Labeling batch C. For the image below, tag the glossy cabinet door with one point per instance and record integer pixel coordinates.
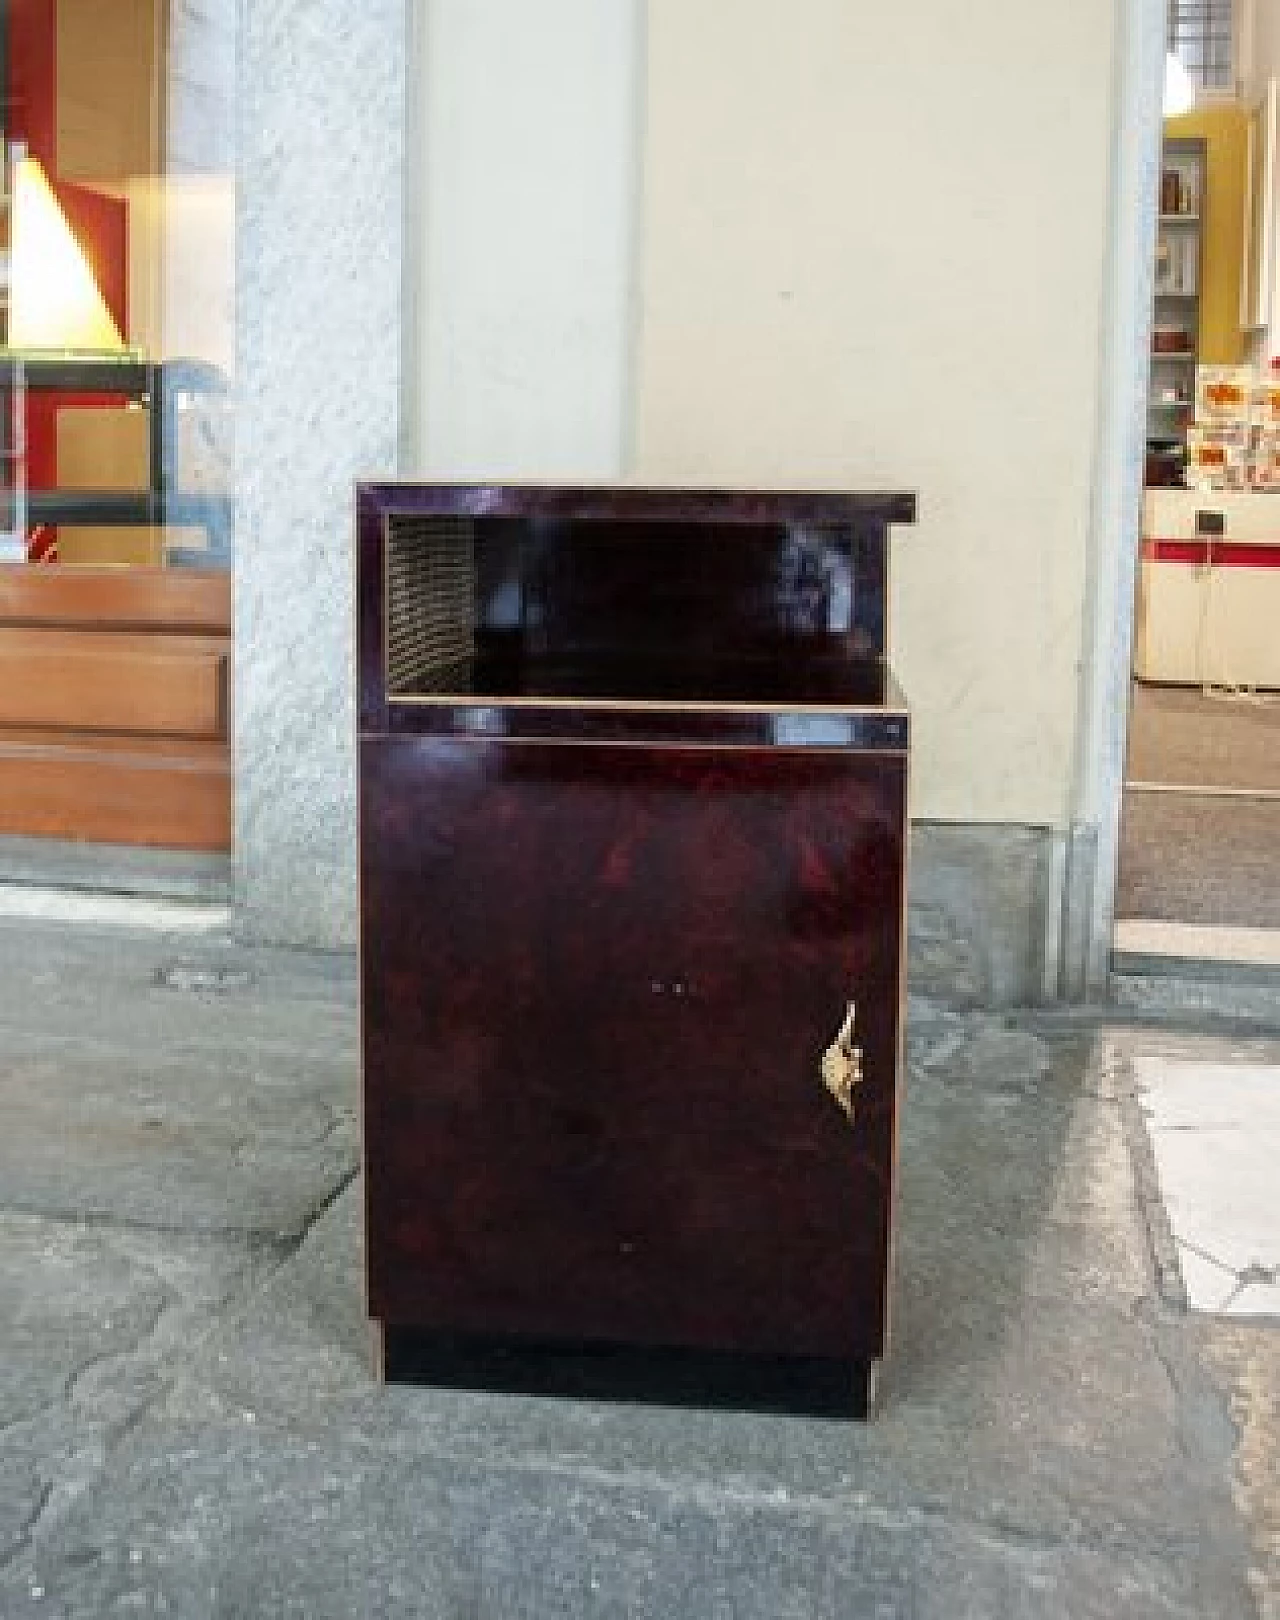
(598, 984)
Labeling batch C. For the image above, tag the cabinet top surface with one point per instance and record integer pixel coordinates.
(620, 501)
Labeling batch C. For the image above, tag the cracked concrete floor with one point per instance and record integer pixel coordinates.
(188, 1426)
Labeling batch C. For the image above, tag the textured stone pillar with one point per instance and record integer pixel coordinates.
(318, 353)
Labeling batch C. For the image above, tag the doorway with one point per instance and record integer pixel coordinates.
(1197, 871)
(116, 242)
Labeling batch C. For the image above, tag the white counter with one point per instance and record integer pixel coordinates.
(1208, 610)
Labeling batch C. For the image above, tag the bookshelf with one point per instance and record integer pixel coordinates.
(1175, 325)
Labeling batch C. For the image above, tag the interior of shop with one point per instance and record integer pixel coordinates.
(1199, 874)
(116, 347)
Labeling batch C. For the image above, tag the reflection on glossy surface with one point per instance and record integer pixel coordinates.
(727, 725)
(54, 300)
(593, 583)
(674, 676)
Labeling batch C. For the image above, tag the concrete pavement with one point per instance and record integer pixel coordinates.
(189, 1427)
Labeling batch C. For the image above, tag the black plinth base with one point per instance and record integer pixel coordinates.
(815, 1386)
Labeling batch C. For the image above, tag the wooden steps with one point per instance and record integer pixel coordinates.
(114, 706)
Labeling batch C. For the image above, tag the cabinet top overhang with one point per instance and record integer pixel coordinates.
(623, 501)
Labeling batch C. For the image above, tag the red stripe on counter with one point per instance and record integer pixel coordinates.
(1221, 553)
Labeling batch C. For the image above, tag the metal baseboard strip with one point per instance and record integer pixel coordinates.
(1179, 971)
(1201, 970)
(166, 874)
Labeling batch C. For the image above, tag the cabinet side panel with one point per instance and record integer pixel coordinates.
(370, 564)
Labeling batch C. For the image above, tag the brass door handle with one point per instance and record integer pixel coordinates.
(842, 1064)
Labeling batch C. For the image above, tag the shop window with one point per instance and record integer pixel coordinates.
(117, 281)
(116, 355)
(1202, 37)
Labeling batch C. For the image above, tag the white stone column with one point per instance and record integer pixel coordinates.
(318, 354)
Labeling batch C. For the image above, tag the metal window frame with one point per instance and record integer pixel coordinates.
(1203, 36)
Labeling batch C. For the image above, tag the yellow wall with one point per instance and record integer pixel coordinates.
(1225, 132)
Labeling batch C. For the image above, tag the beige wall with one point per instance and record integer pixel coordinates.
(817, 243)
(523, 173)
(872, 249)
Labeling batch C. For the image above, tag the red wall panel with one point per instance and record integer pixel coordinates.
(33, 77)
(100, 223)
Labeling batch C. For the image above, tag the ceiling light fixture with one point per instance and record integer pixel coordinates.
(1179, 88)
(54, 301)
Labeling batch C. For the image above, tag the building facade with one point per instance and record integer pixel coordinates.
(673, 243)
(685, 243)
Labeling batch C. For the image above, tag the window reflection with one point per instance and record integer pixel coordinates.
(117, 292)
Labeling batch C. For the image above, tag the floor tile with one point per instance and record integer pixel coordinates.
(1154, 937)
(1209, 1284)
(1255, 1299)
(1215, 1133)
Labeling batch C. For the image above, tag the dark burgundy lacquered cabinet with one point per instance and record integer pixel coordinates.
(633, 778)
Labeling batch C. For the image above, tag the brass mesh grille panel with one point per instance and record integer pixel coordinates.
(431, 587)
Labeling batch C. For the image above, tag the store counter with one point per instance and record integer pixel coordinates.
(1209, 589)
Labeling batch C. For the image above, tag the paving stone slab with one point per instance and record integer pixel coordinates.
(242, 1521)
(96, 1323)
(226, 1109)
(112, 985)
(1247, 1357)
(189, 1424)
(1026, 1388)
(135, 1135)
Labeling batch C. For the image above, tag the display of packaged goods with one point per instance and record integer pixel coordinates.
(1233, 440)
(1224, 396)
(1171, 340)
(1164, 265)
(1175, 264)
(1266, 405)
(1218, 459)
(1169, 192)
(1178, 193)
(1264, 461)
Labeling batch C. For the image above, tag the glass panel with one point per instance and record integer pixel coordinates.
(117, 292)
(1201, 36)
